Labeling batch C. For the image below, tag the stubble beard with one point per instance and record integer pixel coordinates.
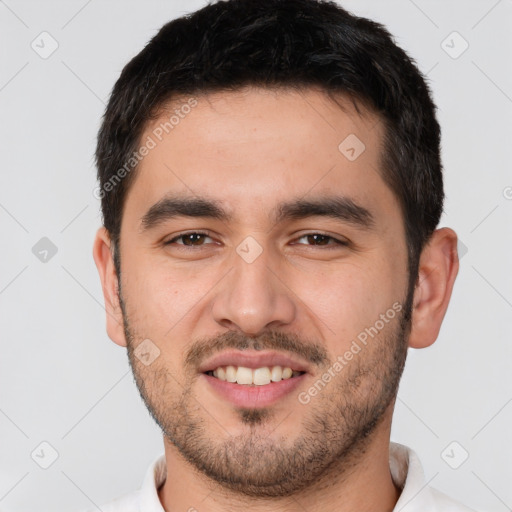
(336, 426)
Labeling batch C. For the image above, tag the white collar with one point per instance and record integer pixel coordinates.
(406, 472)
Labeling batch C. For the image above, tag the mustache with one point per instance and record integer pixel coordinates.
(272, 340)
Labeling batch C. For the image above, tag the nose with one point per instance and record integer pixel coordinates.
(253, 297)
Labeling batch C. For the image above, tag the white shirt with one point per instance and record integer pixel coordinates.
(406, 471)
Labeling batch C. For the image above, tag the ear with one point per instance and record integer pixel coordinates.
(438, 268)
(102, 255)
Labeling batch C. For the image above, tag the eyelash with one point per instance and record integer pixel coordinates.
(337, 244)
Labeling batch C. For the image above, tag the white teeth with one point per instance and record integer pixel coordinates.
(261, 376)
(277, 373)
(230, 374)
(244, 375)
(257, 377)
(287, 373)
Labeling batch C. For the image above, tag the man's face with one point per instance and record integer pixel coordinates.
(261, 284)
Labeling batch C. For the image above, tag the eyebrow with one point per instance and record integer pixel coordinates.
(336, 207)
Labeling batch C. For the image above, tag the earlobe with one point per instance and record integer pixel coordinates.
(438, 268)
(102, 255)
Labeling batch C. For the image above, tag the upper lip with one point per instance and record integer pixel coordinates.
(253, 359)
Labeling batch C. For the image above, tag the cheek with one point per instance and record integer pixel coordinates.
(160, 296)
(350, 298)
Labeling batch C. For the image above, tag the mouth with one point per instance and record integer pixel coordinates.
(254, 377)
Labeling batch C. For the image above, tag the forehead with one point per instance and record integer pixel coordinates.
(253, 148)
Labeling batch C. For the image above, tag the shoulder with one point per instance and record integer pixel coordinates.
(146, 498)
(407, 473)
(446, 504)
(126, 503)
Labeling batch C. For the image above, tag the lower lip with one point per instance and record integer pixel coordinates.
(254, 396)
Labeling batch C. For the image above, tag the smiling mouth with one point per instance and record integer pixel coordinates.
(253, 376)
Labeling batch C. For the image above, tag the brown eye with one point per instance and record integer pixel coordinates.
(319, 239)
(192, 239)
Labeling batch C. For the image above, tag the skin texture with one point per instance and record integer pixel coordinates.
(252, 149)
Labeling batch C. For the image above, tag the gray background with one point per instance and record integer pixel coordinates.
(63, 382)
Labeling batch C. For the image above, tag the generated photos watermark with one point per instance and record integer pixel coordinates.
(356, 346)
(144, 149)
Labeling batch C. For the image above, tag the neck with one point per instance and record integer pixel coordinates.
(365, 485)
